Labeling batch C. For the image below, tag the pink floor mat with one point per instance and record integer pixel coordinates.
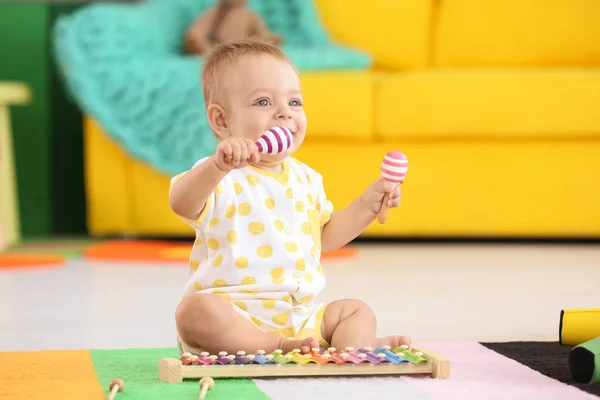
(478, 373)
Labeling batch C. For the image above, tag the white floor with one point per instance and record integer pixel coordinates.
(431, 292)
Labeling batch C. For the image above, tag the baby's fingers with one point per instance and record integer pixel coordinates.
(236, 152)
(226, 150)
(394, 198)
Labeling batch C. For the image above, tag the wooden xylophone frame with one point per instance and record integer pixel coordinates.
(172, 370)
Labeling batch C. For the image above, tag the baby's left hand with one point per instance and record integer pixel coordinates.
(373, 196)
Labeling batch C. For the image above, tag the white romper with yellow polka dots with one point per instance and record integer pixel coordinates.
(258, 243)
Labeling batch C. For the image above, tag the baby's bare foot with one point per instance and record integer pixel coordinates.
(304, 345)
(394, 341)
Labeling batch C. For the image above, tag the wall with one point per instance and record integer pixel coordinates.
(47, 133)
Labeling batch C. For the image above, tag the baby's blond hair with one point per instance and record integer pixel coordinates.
(225, 54)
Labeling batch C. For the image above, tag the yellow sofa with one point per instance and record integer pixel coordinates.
(496, 103)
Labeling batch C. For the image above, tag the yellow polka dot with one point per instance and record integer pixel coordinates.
(248, 281)
(289, 193)
(277, 273)
(320, 269)
(288, 332)
(281, 319)
(277, 276)
(309, 179)
(220, 283)
(221, 293)
(250, 292)
(194, 265)
(270, 203)
(241, 305)
(241, 262)
(299, 206)
(253, 180)
(278, 225)
(306, 228)
(256, 228)
(213, 244)
(197, 242)
(300, 179)
(197, 286)
(217, 260)
(300, 264)
(313, 252)
(256, 321)
(306, 299)
(219, 189)
(268, 304)
(238, 188)
(287, 298)
(214, 222)
(232, 236)
(291, 247)
(310, 198)
(230, 211)
(264, 251)
(244, 209)
(308, 277)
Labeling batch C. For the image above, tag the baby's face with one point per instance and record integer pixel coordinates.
(262, 92)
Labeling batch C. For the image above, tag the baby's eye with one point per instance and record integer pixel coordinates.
(263, 102)
(295, 103)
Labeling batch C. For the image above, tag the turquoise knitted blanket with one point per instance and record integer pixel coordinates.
(124, 65)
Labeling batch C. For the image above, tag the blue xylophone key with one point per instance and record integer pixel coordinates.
(389, 355)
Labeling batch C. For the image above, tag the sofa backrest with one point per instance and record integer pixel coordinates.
(396, 33)
(517, 33)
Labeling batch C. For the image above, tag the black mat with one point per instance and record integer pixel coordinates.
(547, 358)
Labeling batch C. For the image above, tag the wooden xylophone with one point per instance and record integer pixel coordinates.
(318, 362)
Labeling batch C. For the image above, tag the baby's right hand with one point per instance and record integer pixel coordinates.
(235, 153)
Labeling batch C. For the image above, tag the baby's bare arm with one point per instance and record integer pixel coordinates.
(191, 192)
(345, 225)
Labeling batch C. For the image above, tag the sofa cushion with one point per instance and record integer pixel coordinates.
(518, 33)
(339, 104)
(396, 33)
(472, 102)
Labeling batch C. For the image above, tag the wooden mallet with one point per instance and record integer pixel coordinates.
(393, 169)
(116, 385)
(205, 384)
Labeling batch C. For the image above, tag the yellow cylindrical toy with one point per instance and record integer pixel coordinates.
(578, 325)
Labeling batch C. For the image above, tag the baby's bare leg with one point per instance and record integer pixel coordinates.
(352, 323)
(209, 323)
(349, 323)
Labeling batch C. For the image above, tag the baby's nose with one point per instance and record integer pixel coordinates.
(284, 114)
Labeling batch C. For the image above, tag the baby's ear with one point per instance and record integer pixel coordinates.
(218, 120)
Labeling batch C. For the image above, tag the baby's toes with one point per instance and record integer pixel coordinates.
(308, 344)
(401, 341)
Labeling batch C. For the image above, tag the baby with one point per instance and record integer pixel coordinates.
(262, 221)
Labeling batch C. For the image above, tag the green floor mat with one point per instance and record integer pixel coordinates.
(138, 368)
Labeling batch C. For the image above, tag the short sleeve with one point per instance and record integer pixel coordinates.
(324, 205)
(200, 223)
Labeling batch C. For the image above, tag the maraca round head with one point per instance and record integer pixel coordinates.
(275, 140)
(394, 167)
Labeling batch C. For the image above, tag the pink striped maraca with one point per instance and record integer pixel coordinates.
(275, 140)
(393, 169)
